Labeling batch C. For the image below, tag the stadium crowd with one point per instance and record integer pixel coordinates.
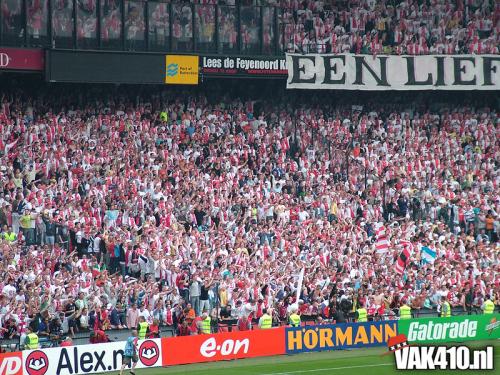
(177, 206)
(360, 26)
(399, 27)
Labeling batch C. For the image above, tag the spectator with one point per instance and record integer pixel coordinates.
(132, 316)
(184, 329)
(260, 190)
(70, 314)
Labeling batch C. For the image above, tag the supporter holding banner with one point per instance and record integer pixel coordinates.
(379, 72)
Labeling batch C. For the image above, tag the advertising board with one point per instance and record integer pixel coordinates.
(11, 363)
(181, 69)
(452, 329)
(88, 359)
(223, 346)
(339, 336)
(21, 59)
(98, 358)
(232, 66)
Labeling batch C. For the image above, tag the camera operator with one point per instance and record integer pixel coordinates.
(342, 308)
(55, 330)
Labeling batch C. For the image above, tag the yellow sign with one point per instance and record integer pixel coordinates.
(181, 69)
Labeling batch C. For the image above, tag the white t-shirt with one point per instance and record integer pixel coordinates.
(303, 215)
(9, 291)
(147, 315)
(248, 309)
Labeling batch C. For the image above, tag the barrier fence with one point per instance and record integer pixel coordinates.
(231, 325)
(169, 351)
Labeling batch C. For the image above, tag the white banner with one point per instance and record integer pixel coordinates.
(88, 359)
(390, 72)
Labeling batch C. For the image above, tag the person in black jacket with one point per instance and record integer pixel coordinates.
(50, 231)
(469, 301)
(339, 316)
(55, 330)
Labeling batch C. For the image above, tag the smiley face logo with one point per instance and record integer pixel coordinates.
(37, 363)
(149, 353)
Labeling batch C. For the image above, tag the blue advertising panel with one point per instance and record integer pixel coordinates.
(339, 336)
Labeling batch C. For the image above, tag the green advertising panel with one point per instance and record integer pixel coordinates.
(452, 329)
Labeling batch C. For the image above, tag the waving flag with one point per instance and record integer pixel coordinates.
(407, 245)
(382, 244)
(428, 255)
(402, 261)
(299, 285)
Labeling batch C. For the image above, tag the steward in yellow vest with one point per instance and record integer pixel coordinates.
(445, 308)
(265, 321)
(9, 236)
(362, 314)
(142, 328)
(31, 340)
(405, 312)
(206, 324)
(294, 319)
(488, 306)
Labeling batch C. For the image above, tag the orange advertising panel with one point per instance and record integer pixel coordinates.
(222, 346)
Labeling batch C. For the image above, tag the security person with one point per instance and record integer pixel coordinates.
(362, 314)
(404, 311)
(445, 308)
(205, 323)
(488, 306)
(142, 328)
(265, 321)
(294, 318)
(9, 236)
(31, 340)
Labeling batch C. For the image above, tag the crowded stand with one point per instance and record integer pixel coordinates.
(361, 26)
(181, 208)
(393, 27)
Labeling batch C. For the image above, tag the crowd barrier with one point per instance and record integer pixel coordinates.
(170, 351)
(230, 325)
